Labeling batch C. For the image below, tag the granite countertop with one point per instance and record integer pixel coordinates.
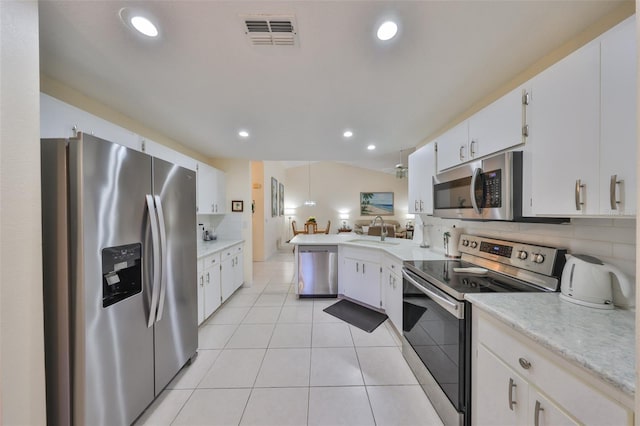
(401, 248)
(601, 341)
(206, 248)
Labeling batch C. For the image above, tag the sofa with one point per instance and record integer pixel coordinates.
(362, 227)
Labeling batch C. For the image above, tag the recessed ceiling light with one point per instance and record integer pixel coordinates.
(347, 133)
(371, 147)
(387, 30)
(144, 26)
(243, 134)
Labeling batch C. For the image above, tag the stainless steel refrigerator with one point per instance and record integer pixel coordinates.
(120, 296)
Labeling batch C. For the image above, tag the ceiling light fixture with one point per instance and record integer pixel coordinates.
(347, 133)
(371, 147)
(401, 170)
(243, 134)
(309, 202)
(144, 26)
(387, 30)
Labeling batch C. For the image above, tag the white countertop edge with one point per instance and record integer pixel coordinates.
(403, 250)
(615, 369)
(206, 248)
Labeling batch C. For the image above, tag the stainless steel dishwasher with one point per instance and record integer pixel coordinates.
(317, 271)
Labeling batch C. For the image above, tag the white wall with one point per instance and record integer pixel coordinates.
(21, 329)
(274, 227)
(336, 188)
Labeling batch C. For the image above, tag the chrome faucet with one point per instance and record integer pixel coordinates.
(383, 231)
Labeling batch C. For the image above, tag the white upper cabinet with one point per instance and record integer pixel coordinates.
(564, 132)
(164, 153)
(498, 126)
(582, 130)
(619, 119)
(211, 190)
(61, 120)
(422, 167)
(453, 147)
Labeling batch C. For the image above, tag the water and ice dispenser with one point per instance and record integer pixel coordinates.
(121, 273)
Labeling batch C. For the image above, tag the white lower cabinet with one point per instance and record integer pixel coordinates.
(219, 275)
(517, 382)
(232, 275)
(392, 291)
(360, 275)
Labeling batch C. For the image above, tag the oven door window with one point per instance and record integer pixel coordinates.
(439, 340)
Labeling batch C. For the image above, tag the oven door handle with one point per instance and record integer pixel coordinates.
(454, 308)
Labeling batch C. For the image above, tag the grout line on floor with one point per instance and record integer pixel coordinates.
(364, 383)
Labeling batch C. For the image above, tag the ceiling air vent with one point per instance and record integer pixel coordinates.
(270, 30)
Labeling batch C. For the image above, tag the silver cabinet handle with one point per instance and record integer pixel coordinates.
(460, 153)
(579, 187)
(536, 415)
(363, 268)
(208, 278)
(357, 267)
(612, 192)
(421, 206)
(524, 363)
(472, 152)
(511, 387)
(201, 281)
(415, 204)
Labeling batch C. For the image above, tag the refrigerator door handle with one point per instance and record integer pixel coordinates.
(153, 221)
(163, 259)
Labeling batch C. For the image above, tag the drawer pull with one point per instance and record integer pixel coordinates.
(511, 401)
(536, 415)
(524, 363)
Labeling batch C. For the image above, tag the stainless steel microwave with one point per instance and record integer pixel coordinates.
(488, 189)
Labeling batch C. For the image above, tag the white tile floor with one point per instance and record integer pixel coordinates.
(267, 358)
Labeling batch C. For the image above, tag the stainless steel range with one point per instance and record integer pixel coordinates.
(437, 319)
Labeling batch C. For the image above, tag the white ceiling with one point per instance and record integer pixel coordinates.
(201, 80)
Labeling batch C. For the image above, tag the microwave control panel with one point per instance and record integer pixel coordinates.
(492, 188)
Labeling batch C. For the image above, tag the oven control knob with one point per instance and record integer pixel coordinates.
(474, 244)
(538, 258)
(465, 243)
(522, 255)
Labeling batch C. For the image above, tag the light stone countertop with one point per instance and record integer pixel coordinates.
(399, 247)
(601, 341)
(206, 248)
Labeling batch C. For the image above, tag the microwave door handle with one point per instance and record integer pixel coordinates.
(472, 189)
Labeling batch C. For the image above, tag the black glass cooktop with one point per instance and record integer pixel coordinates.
(441, 274)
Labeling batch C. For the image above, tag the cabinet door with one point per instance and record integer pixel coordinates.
(351, 275)
(497, 127)
(227, 286)
(238, 272)
(206, 188)
(500, 396)
(543, 412)
(370, 284)
(201, 316)
(220, 198)
(211, 289)
(422, 167)
(392, 300)
(619, 113)
(453, 147)
(564, 133)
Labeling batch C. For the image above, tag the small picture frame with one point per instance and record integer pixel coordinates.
(237, 206)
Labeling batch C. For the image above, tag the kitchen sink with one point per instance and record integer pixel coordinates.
(376, 242)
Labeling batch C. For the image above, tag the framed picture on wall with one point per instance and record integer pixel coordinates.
(376, 203)
(274, 197)
(237, 205)
(281, 200)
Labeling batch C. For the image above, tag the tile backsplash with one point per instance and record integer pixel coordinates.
(611, 240)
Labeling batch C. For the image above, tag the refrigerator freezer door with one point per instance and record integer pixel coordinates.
(113, 347)
(176, 330)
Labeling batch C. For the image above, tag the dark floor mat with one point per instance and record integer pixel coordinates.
(364, 318)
